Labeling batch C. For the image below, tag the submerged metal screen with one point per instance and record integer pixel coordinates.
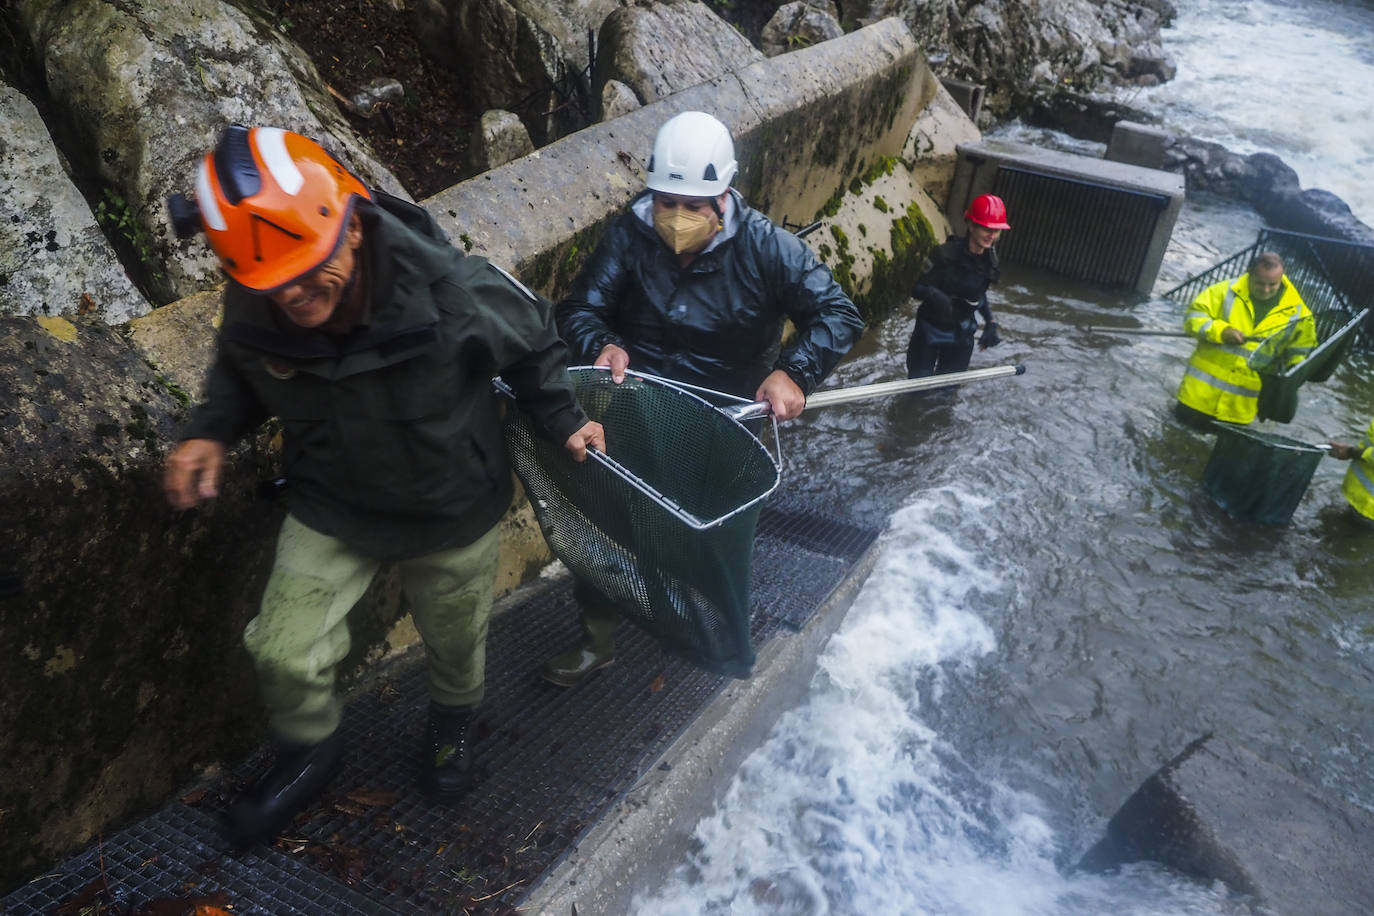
(1082, 229)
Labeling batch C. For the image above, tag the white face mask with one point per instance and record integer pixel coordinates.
(683, 230)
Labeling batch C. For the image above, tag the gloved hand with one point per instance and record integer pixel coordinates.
(938, 309)
(990, 336)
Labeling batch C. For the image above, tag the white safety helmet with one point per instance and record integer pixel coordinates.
(693, 156)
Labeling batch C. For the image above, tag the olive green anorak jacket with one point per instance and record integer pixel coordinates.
(392, 432)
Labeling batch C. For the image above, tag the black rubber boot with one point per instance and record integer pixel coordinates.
(297, 775)
(446, 755)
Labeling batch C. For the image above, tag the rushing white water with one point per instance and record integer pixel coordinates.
(860, 802)
(856, 805)
(1290, 77)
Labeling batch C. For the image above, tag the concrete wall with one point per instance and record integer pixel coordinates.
(121, 668)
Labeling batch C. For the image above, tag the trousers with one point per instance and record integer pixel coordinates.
(301, 634)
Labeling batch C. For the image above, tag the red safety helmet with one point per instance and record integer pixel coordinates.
(273, 204)
(987, 210)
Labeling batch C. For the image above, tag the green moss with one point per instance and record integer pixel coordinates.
(884, 166)
(465, 239)
(881, 205)
(831, 206)
(176, 391)
(863, 230)
(893, 275)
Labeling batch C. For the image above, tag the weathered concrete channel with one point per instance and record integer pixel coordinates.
(123, 680)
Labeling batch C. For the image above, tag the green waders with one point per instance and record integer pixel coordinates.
(301, 631)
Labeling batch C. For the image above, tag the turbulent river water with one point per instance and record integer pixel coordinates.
(1058, 608)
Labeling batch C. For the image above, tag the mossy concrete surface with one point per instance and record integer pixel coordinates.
(805, 124)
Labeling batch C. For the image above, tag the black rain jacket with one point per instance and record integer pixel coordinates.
(717, 323)
(392, 433)
(964, 279)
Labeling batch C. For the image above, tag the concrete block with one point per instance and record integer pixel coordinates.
(969, 96)
(1053, 228)
(805, 124)
(1219, 813)
(1137, 144)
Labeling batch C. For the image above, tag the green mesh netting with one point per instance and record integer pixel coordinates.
(665, 528)
(1278, 398)
(1259, 477)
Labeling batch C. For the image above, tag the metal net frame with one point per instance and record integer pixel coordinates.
(662, 524)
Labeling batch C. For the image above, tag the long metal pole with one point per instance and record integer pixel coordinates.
(878, 390)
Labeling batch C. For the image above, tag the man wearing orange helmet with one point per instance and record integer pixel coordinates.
(350, 318)
(953, 286)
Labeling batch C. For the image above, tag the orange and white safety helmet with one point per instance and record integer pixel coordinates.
(273, 204)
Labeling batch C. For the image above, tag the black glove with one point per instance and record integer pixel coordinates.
(938, 309)
(990, 336)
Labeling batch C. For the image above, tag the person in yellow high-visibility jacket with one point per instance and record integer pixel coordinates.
(1231, 320)
(1358, 486)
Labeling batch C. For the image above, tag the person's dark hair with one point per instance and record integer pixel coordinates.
(1265, 260)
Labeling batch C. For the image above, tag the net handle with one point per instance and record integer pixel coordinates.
(881, 389)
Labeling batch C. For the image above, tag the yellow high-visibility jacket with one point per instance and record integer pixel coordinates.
(1358, 486)
(1218, 382)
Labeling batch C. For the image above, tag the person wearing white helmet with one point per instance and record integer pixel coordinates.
(692, 284)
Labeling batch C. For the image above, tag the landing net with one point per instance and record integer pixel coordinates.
(662, 524)
(1259, 477)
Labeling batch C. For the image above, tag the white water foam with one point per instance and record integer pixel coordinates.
(855, 805)
(1290, 78)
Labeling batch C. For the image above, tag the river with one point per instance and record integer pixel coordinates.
(1058, 608)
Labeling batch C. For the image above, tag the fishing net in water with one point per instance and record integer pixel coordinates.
(1259, 477)
(1279, 382)
(663, 524)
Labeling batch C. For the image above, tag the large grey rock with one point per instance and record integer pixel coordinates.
(53, 256)
(498, 139)
(663, 48)
(798, 25)
(1219, 813)
(1024, 49)
(528, 56)
(149, 84)
(617, 99)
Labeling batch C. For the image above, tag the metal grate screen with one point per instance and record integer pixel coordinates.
(1089, 231)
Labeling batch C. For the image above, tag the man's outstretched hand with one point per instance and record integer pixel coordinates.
(784, 398)
(192, 472)
(591, 435)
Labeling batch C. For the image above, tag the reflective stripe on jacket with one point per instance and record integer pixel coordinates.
(1358, 486)
(1218, 381)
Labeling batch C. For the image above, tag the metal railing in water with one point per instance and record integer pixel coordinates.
(1335, 277)
(1096, 232)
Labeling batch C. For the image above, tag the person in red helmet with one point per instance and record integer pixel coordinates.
(953, 286)
(350, 318)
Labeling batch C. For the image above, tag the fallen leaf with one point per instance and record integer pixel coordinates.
(372, 798)
(657, 684)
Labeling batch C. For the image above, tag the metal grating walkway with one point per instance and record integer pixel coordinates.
(548, 763)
